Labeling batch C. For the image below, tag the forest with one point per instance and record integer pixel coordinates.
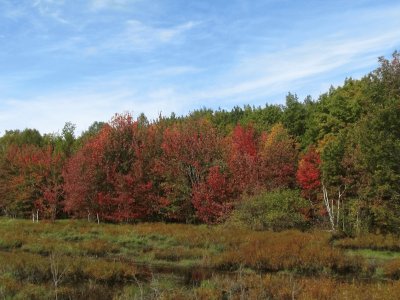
(333, 162)
(294, 201)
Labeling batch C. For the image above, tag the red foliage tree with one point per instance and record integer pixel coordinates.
(129, 159)
(117, 165)
(84, 177)
(35, 180)
(189, 149)
(212, 198)
(242, 160)
(50, 202)
(308, 173)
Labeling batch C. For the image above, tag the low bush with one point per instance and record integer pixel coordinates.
(277, 210)
(391, 269)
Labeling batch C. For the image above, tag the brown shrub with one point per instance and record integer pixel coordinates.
(392, 269)
(291, 250)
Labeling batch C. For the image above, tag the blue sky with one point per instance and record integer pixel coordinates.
(83, 61)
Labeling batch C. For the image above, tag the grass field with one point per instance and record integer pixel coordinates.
(80, 260)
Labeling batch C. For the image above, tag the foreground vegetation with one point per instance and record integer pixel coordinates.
(303, 200)
(83, 260)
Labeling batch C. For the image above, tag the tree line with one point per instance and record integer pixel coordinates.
(341, 150)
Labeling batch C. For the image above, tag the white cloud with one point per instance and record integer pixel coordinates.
(48, 113)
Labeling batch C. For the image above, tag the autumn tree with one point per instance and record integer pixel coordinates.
(308, 174)
(212, 198)
(278, 158)
(52, 194)
(117, 165)
(85, 179)
(190, 149)
(243, 159)
(32, 180)
(129, 156)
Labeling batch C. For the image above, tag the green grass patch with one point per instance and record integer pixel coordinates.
(374, 254)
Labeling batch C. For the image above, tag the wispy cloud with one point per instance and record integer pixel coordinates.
(51, 9)
(257, 75)
(176, 71)
(138, 36)
(134, 36)
(107, 4)
(268, 74)
(299, 63)
(73, 44)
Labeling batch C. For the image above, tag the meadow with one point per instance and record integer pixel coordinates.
(70, 259)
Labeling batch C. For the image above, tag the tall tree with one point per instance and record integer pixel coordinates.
(294, 116)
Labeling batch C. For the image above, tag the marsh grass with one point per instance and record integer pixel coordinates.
(387, 242)
(119, 261)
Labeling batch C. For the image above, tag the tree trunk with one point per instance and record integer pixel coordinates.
(329, 207)
(338, 214)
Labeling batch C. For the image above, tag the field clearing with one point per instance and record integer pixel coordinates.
(82, 260)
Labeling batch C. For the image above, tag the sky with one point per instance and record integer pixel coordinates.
(83, 61)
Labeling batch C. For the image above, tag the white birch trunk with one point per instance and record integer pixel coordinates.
(329, 207)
